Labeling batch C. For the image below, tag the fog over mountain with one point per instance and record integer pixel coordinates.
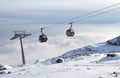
(57, 44)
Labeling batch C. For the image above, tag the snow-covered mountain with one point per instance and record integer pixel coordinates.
(100, 60)
(109, 46)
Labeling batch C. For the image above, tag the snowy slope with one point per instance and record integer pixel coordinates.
(88, 67)
(110, 46)
(87, 62)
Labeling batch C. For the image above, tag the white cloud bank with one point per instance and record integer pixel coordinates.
(10, 51)
(57, 44)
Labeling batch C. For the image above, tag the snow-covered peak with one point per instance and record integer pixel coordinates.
(110, 46)
(114, 41)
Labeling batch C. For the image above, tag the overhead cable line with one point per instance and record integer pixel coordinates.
(81, 16)
(70, 32)
(88, 17)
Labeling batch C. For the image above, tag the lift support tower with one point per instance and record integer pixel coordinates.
(21, 35)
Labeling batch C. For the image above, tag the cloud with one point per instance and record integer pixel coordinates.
(57, 44)
(6, 21)
(53, 4)
(10, 51)
(42, 11)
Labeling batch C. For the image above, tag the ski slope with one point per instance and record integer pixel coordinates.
(86, 67)
(91, 61)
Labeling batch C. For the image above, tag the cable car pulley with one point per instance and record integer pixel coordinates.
(70, 32)
(42, 37)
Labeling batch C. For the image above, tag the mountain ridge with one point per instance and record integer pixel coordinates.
(109, 46)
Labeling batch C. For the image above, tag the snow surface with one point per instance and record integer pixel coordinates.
(87, 67)
(87, 62)
(2, 66)
(104, 47)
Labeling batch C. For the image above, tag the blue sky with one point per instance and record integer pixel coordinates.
(53, 11)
